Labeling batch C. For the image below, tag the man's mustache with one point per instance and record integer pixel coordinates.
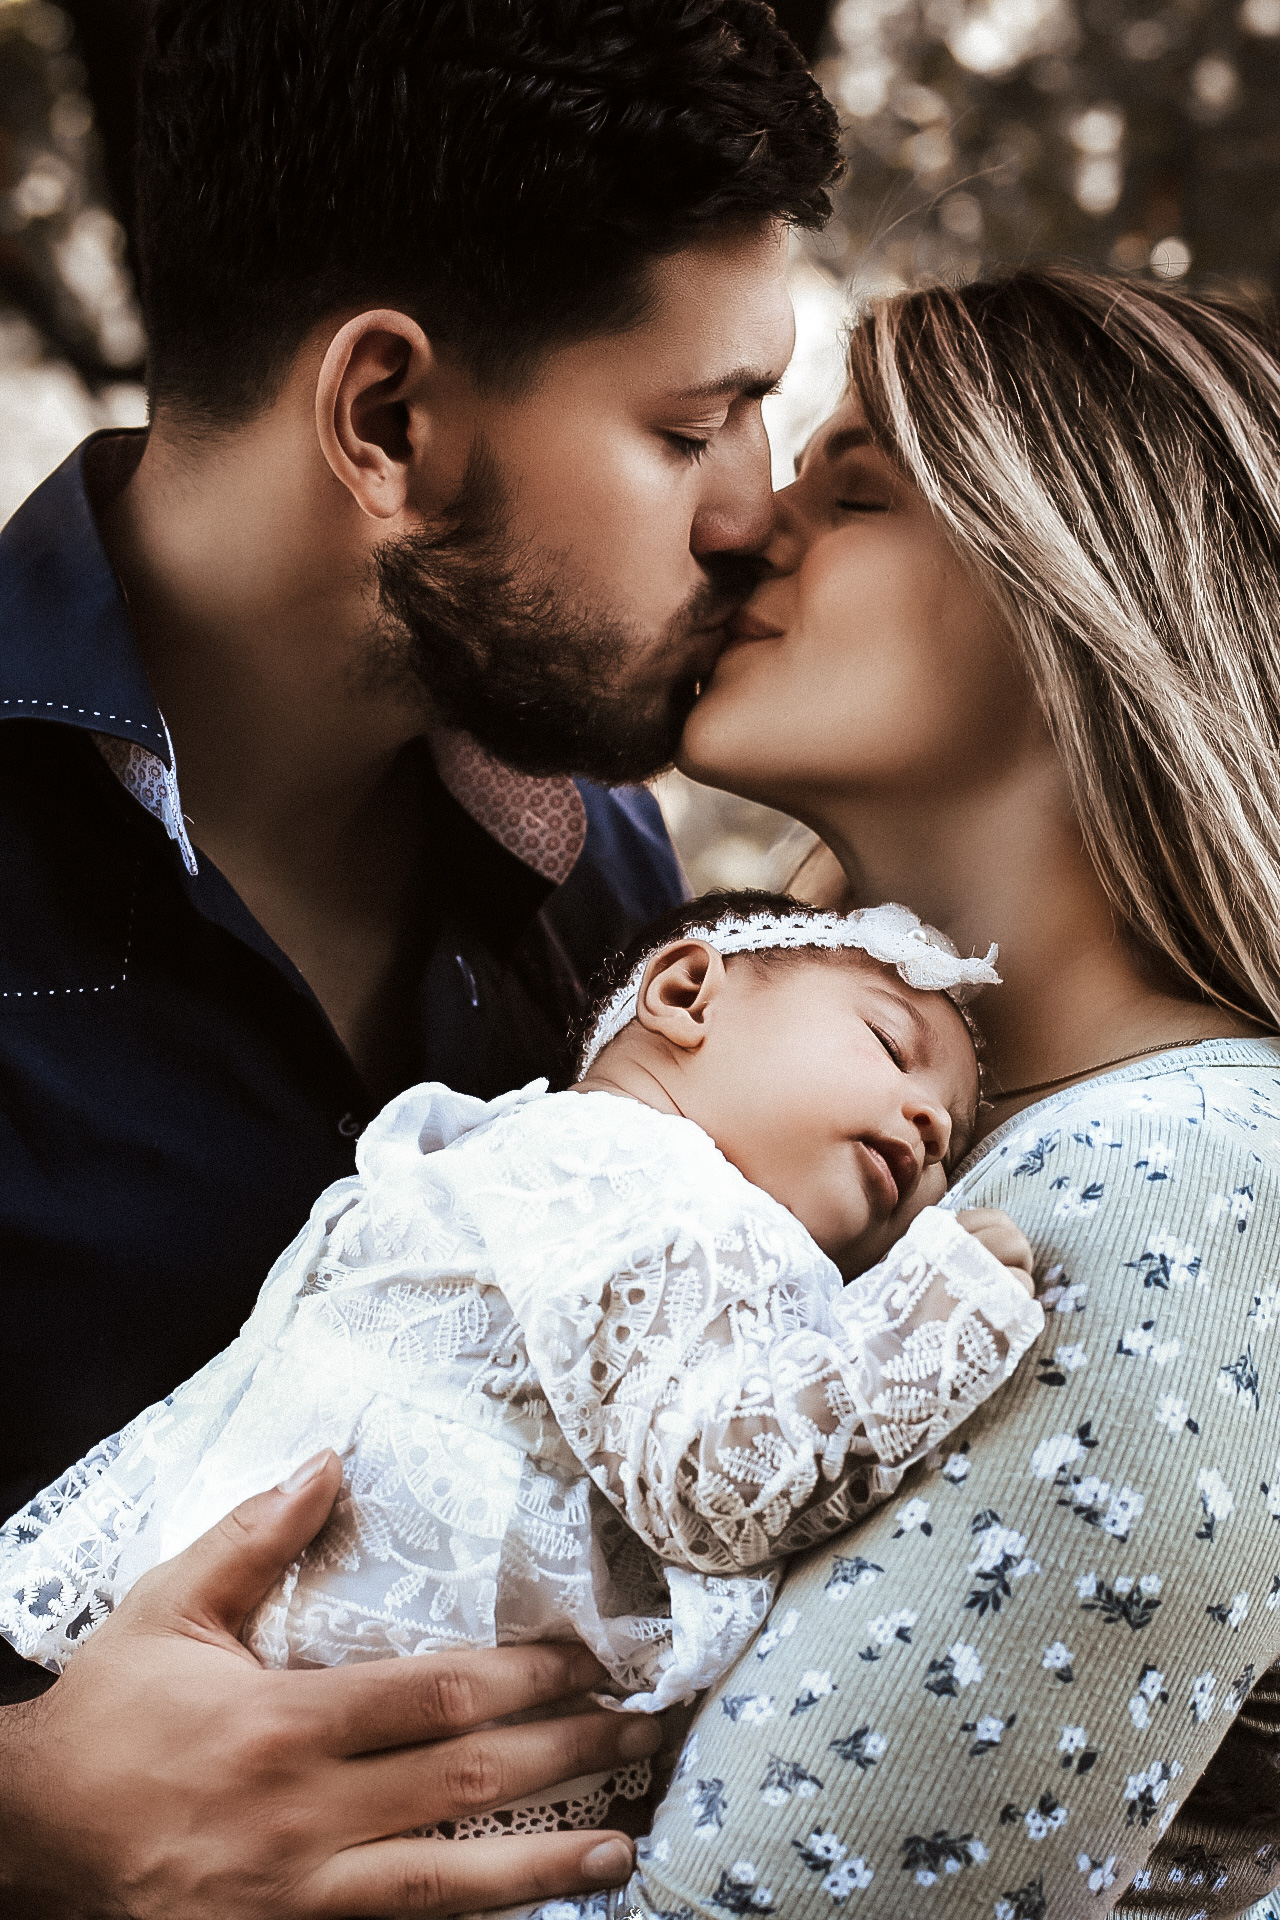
(731, 579)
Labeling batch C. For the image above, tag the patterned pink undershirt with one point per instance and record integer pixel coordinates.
(542, 822)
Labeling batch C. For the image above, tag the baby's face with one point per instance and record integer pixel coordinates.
(841, 1091)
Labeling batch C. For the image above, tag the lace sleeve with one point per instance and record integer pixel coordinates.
(777, 1413)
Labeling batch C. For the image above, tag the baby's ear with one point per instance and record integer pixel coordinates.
(680, 984)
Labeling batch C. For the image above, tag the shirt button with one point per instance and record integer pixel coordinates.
(468, 980)
(348, 1126)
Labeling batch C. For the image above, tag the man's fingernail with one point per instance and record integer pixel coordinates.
(609, 1863)
(641, 1734)
(301, 1475)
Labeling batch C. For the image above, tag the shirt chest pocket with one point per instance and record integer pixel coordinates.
(70, 924)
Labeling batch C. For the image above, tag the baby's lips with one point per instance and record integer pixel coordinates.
(900, 1160)
(883, 1187)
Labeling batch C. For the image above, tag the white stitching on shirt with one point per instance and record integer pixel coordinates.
(543, 822)
(34, 993)
(124, 721)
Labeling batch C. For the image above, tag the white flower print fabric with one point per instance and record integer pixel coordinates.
(1086, 1617)
(583, 1376)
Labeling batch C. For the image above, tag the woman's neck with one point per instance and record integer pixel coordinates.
(1006, 862)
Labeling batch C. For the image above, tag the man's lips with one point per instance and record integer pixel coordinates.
(716, 621)
(708, 640)
(719, 634)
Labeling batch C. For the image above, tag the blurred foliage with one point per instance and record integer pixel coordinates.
(71, 341)
(62, 248)
(1142, 136)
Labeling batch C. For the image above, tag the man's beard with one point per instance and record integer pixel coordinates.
(508, 654)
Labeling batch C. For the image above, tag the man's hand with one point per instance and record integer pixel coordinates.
(999, 1236)
(167, 1776)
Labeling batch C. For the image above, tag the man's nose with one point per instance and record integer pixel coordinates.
(735, 514)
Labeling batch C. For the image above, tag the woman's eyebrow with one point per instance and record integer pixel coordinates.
(845, 441)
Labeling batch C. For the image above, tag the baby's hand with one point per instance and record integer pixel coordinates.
(999, 1236)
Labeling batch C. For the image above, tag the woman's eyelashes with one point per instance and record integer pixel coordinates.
(862, 506)
(861, 483)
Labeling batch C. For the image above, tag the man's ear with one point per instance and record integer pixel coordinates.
(376, 367)
(680, 984)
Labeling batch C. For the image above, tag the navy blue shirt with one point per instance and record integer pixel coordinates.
(172, 1095)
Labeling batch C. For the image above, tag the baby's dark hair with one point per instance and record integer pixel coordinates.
(705, 914)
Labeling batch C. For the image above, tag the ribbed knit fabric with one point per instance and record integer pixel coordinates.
(996, 1696)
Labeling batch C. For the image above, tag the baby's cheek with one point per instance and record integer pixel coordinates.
(930, 1190)
(875, 1243)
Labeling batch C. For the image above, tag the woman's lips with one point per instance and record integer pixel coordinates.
(745, 629)
(745, 625)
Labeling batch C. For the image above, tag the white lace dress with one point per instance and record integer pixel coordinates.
(584, 1379)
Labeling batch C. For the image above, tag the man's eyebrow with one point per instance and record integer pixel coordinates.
(750, 383)
(839, 444)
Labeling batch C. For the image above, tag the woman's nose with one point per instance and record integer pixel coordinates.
(784, 549)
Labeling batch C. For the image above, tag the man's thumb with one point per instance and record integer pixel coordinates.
(221, 1577)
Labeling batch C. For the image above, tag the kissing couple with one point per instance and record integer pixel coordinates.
(326, 700)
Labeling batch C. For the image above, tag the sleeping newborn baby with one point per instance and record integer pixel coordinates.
(590, 1358)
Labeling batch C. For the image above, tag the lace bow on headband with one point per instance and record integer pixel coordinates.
(891, 934)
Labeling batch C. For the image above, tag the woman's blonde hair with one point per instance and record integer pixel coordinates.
(1106, 454)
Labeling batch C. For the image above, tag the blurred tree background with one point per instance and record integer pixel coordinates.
(1143, 135)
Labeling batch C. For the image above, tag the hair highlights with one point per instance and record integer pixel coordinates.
(1106, 454)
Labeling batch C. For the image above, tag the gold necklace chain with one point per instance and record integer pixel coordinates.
(1081, 1073)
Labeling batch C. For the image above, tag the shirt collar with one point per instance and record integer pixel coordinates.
(67, 650)
(68, 654)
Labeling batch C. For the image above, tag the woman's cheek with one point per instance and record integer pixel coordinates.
(856, 689)
(744, 724)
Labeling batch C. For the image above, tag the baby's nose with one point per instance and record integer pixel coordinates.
(933, 1124)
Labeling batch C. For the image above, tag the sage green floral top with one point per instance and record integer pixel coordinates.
(997, 1695)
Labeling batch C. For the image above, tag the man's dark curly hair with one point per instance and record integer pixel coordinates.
(506, 171)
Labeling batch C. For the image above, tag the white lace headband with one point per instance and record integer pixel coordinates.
(891, 934)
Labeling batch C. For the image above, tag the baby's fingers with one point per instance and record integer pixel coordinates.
(998, 1235)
